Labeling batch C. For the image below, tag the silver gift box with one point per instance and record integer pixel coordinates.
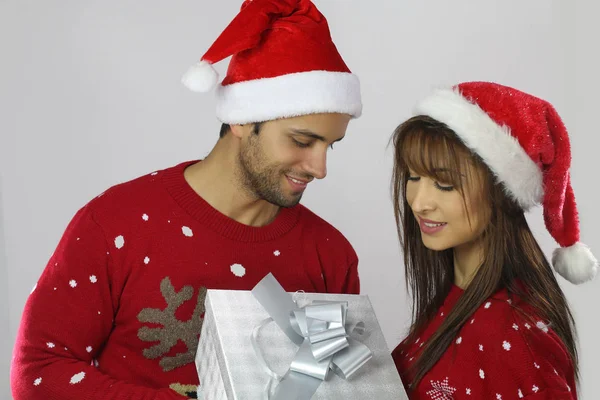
(228, 368)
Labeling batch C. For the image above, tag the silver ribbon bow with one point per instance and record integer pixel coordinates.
(320, 331)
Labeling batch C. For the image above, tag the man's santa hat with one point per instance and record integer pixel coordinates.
(524, 142)
(284, 64)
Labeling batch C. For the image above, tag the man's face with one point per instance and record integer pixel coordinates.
(284, 156)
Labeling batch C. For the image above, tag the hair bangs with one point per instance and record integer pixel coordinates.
(434, 154)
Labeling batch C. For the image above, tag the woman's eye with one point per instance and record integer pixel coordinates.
(445, 188)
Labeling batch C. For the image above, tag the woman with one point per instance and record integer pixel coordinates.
(489, 318)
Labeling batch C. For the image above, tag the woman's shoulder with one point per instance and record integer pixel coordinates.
(503, 349)
(514, 341)
(512, 326)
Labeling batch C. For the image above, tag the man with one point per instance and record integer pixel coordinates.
(118, 310)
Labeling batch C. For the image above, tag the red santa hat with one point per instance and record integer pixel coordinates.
(525, 144)
(284, 64)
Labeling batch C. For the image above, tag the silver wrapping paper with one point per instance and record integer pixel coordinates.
(227, 365)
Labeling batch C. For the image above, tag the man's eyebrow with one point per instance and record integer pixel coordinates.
(311, 134)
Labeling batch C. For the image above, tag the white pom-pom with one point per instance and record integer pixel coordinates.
(200, 77)
(575, 263)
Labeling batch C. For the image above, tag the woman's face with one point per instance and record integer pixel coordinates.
(448, 218)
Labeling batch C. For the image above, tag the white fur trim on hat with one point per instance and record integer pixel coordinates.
(289, 95)
(493, 143)
(575, 263)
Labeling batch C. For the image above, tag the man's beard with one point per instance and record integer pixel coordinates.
(262, 179)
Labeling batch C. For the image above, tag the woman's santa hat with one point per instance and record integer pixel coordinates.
(524, 142)
(284, 64)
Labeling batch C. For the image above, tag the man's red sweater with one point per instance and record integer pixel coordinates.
(118, 310)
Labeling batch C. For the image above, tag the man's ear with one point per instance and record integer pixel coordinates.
(239, 130)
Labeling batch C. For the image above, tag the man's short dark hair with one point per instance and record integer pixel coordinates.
(224, 129)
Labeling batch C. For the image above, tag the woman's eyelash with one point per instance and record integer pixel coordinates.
(444, 188)
(437, 185)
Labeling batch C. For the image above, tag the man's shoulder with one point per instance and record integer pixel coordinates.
(149, 188)
(323, 230)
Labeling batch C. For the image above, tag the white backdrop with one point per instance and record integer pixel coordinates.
(90, 96)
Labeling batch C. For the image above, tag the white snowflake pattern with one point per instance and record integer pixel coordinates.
(515, 327)
(145, 217)
(468, 391)
(536, 365)
(520, 394)
(498, 396)
(146, 260)
(481, 374)
(238, 270)
(73, 283)
(442, 314)
(542, 326)
(187, 231)
(480, 347)
(441, 390)
(119, 242)
(488, 304)
(50, 345)
(535, 389)
(77, 378)
(527, 326)
(88, 349)
(506, 345)
(277, 253)
(459, 340)
(93, 278)
(37, 382)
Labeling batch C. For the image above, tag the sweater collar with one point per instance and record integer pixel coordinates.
(203, 212)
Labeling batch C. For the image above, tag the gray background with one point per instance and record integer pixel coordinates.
(90, 96)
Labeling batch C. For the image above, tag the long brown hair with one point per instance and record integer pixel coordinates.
(511, 253)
